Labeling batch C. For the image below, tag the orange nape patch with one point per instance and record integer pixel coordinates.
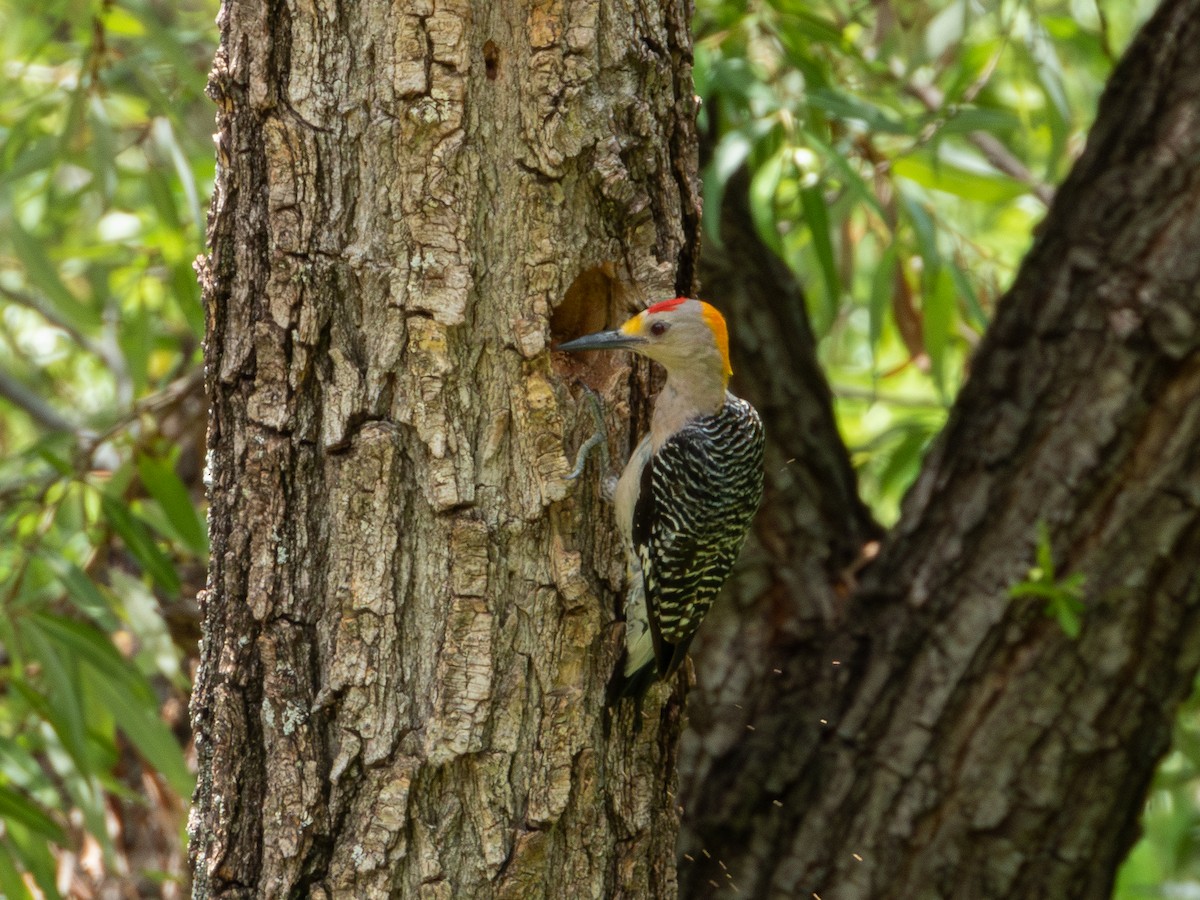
(716, 322)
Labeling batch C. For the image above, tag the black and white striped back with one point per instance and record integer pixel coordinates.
(699, 493)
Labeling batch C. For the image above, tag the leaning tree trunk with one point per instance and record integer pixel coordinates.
(409, 621)
(931, 735)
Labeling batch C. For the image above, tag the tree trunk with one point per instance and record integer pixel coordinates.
(933, 735)
(762, 652)
(409, 622)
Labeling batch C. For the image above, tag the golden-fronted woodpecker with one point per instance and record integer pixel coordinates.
(685, 500)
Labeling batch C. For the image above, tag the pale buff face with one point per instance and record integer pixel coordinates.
(687, 337)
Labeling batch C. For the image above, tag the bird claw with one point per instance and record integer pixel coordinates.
(608, 488)
(599, 437)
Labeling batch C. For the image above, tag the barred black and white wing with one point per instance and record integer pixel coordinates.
(698, 495)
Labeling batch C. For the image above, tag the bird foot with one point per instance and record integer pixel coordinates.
(608, 488)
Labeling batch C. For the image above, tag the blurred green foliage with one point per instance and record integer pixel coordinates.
(901, 155)
(106, 165)
(1165, 863)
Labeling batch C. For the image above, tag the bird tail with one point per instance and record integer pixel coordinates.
(638, 668)
(645, 659)
(639, 644)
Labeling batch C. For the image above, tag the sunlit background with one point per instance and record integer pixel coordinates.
(901, 155)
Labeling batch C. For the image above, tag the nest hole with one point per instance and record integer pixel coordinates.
(590, 304)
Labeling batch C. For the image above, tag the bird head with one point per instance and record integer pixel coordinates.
(685, 336)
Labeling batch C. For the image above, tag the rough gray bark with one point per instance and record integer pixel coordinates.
(934, 737)
(402, 678)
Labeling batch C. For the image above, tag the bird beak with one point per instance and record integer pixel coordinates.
(603, 340)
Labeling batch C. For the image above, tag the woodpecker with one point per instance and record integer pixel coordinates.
(685, 499)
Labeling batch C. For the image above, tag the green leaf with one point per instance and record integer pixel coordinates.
(976, 118)
(966, 289)
(126, 694)
(164, 134)
(162, 195)
(20, 767)
(187, 293)
(847, 106)
(882, 284)
(136, 341)
(926, 233)
(979, 186)
(140, 543)
(62, 706)
(817, 217)
(1067, 610)
(16, 807)
(946, 30)
(11, 882)
(763, 187)
(37, 155)
(852, 178)
(730, 154)
(83, 642)
(157, 653)
(44, 452)
(904, 460)
(812, 66)
(1045, 552)
(1063, 596)
(1049, 70)
(160, 480)
(733, 78)
(937, 320)
(149, 734)
(43, 275)
(798, 19)
(84, 594)
(121, 22)
(102, 149)
(73, 131)
(35, 858)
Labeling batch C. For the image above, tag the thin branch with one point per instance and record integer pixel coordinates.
(37, 409)
(991, 147)
(105, 351)
(1002, 158)
(846, 392)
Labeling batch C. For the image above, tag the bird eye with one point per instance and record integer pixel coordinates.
(658, 329)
